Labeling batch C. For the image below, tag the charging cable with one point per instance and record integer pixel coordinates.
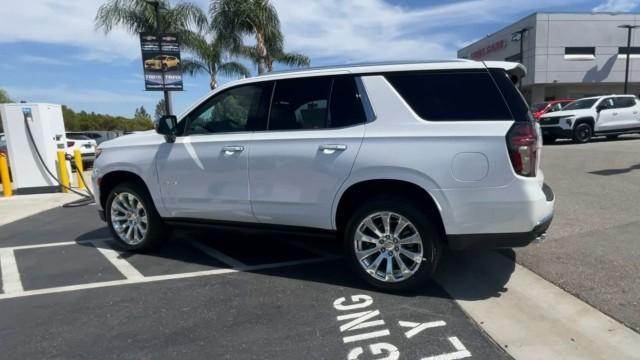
(87, 198)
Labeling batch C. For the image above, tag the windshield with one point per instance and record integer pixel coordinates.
(538, 107)
(580, 104)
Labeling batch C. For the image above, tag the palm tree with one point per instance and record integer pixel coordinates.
(138, 16)
(260, 19)
(209, 57)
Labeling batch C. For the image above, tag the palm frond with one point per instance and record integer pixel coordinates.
(194, 67)
(292, 59)
(233, 68)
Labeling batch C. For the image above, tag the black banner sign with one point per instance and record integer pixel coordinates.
(161, 61)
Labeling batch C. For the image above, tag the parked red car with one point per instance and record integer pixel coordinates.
(542, 108)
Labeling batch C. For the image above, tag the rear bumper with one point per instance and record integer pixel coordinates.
(506, 240)
(498, 241)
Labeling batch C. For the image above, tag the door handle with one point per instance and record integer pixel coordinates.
(615, 113)
(331, 148)
(635, 112)
(232, 149)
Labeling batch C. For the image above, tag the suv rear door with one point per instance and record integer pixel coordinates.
(627, 109)
(315, 130)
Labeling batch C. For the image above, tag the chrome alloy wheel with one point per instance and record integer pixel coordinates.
(388, 246)
(129, 218)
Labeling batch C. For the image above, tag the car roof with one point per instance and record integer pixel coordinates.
(369, 68)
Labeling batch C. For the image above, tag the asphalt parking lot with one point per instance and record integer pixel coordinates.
(222, 295)
(68, 293)
(593, 246)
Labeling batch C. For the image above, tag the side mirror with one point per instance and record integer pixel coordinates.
(167, 126)
(600, 108)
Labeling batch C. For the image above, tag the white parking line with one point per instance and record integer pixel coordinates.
(11, 283)
(217, 255)
(116, 259)
(64, 243)
(148, 279)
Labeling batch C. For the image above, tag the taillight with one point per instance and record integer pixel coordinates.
(70, 143)
(522, 143)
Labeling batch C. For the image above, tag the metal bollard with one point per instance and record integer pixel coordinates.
(62, 170)
(4, 176)
(77, 157)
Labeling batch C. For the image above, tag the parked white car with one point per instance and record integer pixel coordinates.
(86, 145)
(610, 115)
(399, 160)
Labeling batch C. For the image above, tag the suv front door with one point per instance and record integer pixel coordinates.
(315, 130)
(204, 174)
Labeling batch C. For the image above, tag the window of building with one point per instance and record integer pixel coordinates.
(580, 53)
(451, 96)
(634, 52)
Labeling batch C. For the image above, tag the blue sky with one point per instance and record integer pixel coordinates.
(50, 52)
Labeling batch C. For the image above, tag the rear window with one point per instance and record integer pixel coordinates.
(451, 96)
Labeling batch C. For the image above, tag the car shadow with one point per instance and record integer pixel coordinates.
(609, 172)
(256, 249)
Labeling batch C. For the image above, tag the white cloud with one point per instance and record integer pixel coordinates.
(42, 60)
(617, 6)
(354, 30)
(364, 30)
(64, 22)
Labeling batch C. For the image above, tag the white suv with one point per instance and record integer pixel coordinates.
(400, 160)
(610, 115)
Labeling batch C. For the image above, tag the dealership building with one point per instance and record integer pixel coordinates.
(568, 55)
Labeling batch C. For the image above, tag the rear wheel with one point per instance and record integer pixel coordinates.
(132, 218)
(582, 133)
(392, 244)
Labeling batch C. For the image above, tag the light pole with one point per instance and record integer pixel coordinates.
(626, 69)
(519, 36)
(167, 94)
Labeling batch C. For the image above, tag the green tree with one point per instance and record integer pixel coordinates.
(257, 18)
(210, 58)
(138, 16)
(160, 109)
(4, 98)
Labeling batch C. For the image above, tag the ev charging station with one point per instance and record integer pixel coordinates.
(47, 129)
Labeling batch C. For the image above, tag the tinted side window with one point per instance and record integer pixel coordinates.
(243, 108)
(624, 102)
(451, 96)
(346, 108)
(607, 103)
(300, 104)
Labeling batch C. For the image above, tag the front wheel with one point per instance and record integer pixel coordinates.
(392, 244)
(582, 133)
(132, 218)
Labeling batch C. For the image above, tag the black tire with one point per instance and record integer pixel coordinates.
(428, 231)
(612, 137)
(582, 133)
(548, 139)
(156, 230)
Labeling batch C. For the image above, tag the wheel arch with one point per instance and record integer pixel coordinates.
(359, 191)
(113, 178)
(588, 119)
